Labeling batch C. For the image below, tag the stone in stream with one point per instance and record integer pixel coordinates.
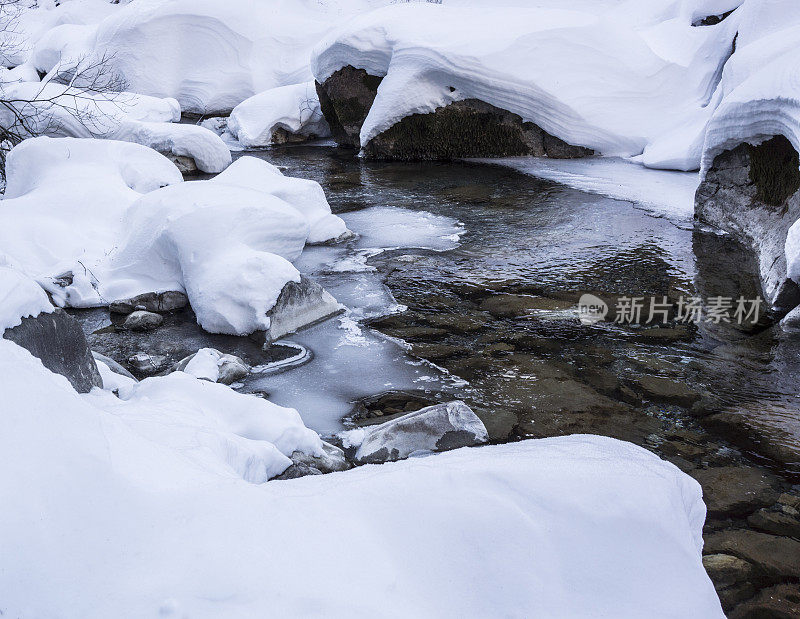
(736, 490)
(57, 339)
(778, 520)
(113, 365)
(331, 460)
(667, 390)
(773, 557)
(146, 364)
(779, 602)
(731, 577)
(751, 192)
(437, 428)
(142, 320)
(227, 369)
(168, 301)
(300, 305)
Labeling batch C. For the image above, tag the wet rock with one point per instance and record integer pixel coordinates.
(411, 334)
(142, 320)
(145, 364)
(664, 389)
(298, 470)
(300, 305)
(113, 365)
(516, 305)
(57, 339)
(330, 461)
(437, 352)
(456, 323)
(731, 577)
(469, 194)
(752, 193)
(779, 602)
(467, 128)
(773, 557)
(779, 520)
(436, 428)
(736, 490)
(345, 99)
(497, 349)
(168, 301)
(390, 403)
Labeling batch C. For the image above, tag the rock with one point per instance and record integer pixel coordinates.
(736, 490)
(59, 342)
(759, 426)
(779, 602)
(437, 352)
(664, 389)
(517, 305)
(390, 403)
(300, 305)
(731, 577)
(437, 428)
(467, 128)
(298, 470)
(186, 165)
(147, 365)
(345, 99)
(773, 557)
(751, 192)
(225, 368)
(113, 365)
(789, 500)
(331, 461)
(142, 320)
(784, 520)
(232, 369)
(168, 301)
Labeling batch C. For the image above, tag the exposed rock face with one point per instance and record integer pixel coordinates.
(152, 302)
(752, 193)
(467, 128)
(300, 305)
(345, 98)
(437, 428)
(58, 340)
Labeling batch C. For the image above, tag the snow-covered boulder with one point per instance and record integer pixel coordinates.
(58, 110)
(436, 428)
(20, 297)
(633, 78)
(64, 204)
(211, 364)
(154, 488)
(277, 116)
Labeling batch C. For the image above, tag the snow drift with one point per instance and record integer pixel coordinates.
(154, 488)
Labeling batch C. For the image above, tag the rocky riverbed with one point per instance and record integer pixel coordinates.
(493, 320)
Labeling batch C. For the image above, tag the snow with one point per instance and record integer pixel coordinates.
(619, 82)
(294, 108)
(204, 364)
(154, 488)
(20, 297)
(112, 381)
(59, 110)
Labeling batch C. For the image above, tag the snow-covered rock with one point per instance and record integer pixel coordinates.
(154, 488)
(211, 364)
(436, 428)
(58, 110)
(621, 81)
(280, 115)
(20, 297)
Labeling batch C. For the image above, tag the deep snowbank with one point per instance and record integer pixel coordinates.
(20, 297)
(621, 82)
(572, 526)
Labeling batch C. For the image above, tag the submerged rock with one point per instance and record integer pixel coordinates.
(168, 301)
(59, 342)
(437, 428)
(300, 305)
(467, 128)
(752, 192)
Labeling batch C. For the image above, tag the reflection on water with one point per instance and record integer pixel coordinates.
(533, 368)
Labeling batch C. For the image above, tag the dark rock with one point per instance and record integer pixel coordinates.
(57, 339)
(779, 602)
(300, 305)
(145, 364)
(390, 403)
(298, 470)
(517, 305)
(756, 426)
(345, 99)
(152, 302)
(731, 577)
(467, 128)
(782, 520)
(437, 352)
(331, 461)
(752, 193)
(773, 557)
(141, 320)
(736, 490)
(436, 428)
(664, 389)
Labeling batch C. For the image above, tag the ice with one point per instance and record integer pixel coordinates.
(390, 227)
(157, 488)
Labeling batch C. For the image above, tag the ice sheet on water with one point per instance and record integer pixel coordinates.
(390, 227)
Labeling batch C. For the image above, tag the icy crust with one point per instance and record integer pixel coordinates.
(154, 488)
(65, 199)
(59, 110)
(617, 82)
(20, 297)
(292, 109)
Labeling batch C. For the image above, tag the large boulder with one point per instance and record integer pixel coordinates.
(466, 128)
(437, 428)
(58, 341)
(751, 192)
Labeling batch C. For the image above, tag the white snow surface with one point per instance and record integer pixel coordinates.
(153, 489)
(621, 81)
(20, 297)
(294, 108)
